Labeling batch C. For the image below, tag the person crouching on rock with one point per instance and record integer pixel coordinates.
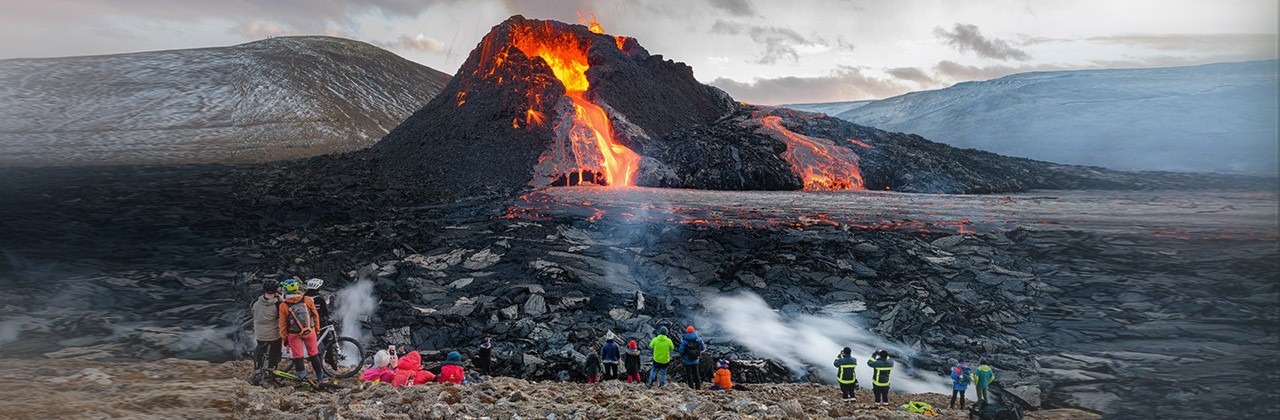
(846, 374)
(881, 366)
(409, 371)
(632, 361)
(592, 367)
(723, 380)
(452, 370)
(266, 328)
(298, 325)
(661, 346)
(610, 355)
(691, 348)
(384, 367)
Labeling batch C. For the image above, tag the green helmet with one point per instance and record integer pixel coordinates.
(291, 285)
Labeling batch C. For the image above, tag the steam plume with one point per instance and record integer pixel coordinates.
(804, 342)
(354, 303)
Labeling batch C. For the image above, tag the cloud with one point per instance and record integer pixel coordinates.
(1195, 42)
(843, 84)
(258, 30)
(966, 37)
(420, 42)
(912, 74)
(779, 43)
(735, 7)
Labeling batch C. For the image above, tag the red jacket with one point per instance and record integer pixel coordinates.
(451, 373)
(409, 371)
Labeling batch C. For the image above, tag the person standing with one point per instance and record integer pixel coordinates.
(961, 376)
(592, 367)
(661, 346)
(632, 362)
(983, 378)
(298, 325)
(846, 374)
(691, 348)
(610, 355)
(482, 356)
(881, 366)
(266, 328)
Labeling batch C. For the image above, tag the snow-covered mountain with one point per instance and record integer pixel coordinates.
(279, 98)
(1215, 117)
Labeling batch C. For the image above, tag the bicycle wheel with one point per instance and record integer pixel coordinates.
(343, 358)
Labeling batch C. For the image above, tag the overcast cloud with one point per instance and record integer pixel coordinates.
(762, 52)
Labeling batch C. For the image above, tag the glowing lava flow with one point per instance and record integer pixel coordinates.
(591, 131)
(822, 165)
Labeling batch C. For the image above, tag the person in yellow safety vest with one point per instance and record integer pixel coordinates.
(845, 374)
(882, 367)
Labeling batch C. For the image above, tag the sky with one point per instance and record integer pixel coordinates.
(763, 52)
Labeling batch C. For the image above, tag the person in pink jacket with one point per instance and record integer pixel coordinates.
(383, 368)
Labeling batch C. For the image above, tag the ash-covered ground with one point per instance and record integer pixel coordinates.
(1129, 303)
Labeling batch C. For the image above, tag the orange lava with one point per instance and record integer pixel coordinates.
(821, 164)
(591, 133)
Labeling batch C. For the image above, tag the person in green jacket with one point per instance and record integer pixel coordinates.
(984, 376)
(662, 346)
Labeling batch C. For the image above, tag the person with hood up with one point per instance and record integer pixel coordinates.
(383, 369)
(409, 371)
(881, 367)
(632, 362)
(691, 348)
(610, 355)
(452, 369)
(298, 325)
(723, 380)
(266, 328)
(846, 366)
(961, 377)
(591, 367)
(983, 378)
(483, 356)
(661, 345)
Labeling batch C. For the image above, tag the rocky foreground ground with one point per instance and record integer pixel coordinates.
(172, 388)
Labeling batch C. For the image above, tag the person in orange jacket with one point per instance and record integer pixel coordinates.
(722, 381)
(452, 369)
(409, 371)
(299, 323)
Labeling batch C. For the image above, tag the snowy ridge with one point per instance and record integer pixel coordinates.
(274, 99)
(1209, 118)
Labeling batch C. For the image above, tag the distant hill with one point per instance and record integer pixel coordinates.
(1212, 118)
(280, 98)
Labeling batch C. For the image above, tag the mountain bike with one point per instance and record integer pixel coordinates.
(342, 357)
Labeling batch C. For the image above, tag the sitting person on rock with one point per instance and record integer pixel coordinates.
(452, 372)
(592, 367)
(632, 361)
(299, 323)
(383, 369)
(610, 355)
(661, 346)
(409, 371)
(723, 378)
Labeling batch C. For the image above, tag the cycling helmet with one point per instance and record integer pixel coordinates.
(314, 284)
(291, 285)
(270, 286)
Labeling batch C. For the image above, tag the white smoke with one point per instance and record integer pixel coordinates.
(808, 341)
(355, 303)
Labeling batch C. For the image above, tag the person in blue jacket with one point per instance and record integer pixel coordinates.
(961, 377)
(610, 355)
(691, 348)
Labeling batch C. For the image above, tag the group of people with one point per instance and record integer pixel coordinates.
(962, 375)
(289, 315)
(690, 351)
(407, 370)
(846, 375)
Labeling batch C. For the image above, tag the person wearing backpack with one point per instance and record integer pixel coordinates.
(983, 378)
(266, 328)
(846, 374)
(691, 348)
(452, 371)
(631, 360)
(881, 367)
(298, 325)
(610, 355)
(961, 377)
(661, 345)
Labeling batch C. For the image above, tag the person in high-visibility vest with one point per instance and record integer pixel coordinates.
(845, 375)
(882, 367)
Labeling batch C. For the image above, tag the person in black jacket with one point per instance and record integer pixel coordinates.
(592, 367)
(632, 361)
(881, 367)
(845, 365)
(482, 356)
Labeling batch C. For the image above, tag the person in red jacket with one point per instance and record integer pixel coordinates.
(452, 369)
(409, 371)
(299, 323)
